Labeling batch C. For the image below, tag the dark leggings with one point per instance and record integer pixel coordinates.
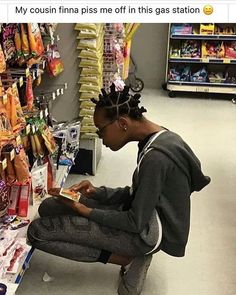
(63, 232)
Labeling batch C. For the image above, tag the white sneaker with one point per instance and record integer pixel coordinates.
(133, 279)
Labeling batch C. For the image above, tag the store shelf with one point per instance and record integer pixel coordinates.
(203, 37)
(202, 60)
(201, 87)
(202, 83)
(208, 66)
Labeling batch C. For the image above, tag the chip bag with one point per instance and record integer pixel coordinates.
(54, 63)
(2, 61)
(35, 39)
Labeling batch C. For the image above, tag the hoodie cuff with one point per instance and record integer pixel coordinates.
(99, 194)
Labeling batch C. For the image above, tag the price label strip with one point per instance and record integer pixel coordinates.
(18, 140)
(4, 164)
(27, 72)
(27, 129)
(21, 81)
(4, 99)
(12, 154)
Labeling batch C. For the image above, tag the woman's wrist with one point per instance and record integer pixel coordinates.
(82, 209)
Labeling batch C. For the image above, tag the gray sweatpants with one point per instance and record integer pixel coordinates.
(63, 232)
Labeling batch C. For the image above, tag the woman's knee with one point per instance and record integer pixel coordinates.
(47, 207)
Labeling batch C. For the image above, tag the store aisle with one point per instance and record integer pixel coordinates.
(209, 267)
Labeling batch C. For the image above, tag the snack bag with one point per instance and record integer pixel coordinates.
(4, 198)
(24, 41)
(14, 110)
(39, 183)
(2, 61)
(29, 96)
(9, 48)
(35, 39)
(17, 40)
(54, 64)
(21, 165)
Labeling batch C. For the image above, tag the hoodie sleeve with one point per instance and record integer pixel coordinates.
(108, 196)
(152, 174)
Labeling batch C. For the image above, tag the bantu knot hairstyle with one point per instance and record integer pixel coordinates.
(118, 103)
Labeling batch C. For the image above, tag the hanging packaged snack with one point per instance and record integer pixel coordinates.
(35, 39)
(39, 182)
(47, 136)
(4, 198)
(21, 165)
(29, 96)
(2, 61)
(9, 153)
(54, 63)
(9, 49)
(6, 133)
(14, 110)
(24, 41)
(39, 146)
(18, 44)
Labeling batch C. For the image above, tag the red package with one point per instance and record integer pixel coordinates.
(35, 39)
(29, 96)
(14, 195)
(54, 64)
(24, 200)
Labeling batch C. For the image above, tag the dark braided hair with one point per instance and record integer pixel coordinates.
(118, 103)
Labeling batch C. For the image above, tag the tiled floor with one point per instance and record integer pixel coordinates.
(209, 267)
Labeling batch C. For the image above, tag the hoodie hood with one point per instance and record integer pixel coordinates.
(172, 145)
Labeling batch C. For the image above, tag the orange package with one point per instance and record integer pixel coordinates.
(17, 40)
(14, 111)
(2, 61)
(35, 39)
(24, 41)
(21, 166)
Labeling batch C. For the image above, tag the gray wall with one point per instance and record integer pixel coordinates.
(149, 49)
(66, 106)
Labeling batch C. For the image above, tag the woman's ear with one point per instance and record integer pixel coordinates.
(123, 123)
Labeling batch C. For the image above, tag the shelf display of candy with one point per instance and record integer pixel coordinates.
(213, 49)
(190, 48)
(181, 29)
(199, 76)
(179, 73)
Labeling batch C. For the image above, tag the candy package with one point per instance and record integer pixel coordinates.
(19, 222)
(39, 182)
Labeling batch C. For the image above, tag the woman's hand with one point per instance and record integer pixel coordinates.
(85, 187)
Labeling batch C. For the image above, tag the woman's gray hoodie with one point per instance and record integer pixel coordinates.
(157, 206)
